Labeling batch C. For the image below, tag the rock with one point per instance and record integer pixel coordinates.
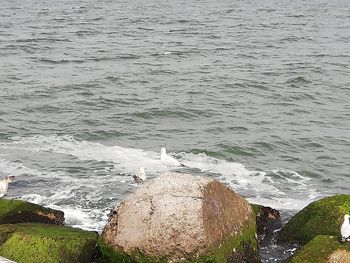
(18, 211)
(44, 243)
(177, 217)
(322, 217)
(267, 221)
(323, 249)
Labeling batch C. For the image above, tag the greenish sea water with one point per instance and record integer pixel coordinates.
(253, 93)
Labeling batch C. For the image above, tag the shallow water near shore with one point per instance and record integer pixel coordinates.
(252, 93)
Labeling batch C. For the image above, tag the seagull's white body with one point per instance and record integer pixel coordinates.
(345, 229)
(168, 160)
(4, 185)
(140, 176)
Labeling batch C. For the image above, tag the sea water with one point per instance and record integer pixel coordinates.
(252, 93)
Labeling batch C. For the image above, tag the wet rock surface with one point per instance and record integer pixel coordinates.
(268, 220)
(18, 211)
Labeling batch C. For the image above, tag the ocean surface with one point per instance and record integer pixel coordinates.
(252, 93)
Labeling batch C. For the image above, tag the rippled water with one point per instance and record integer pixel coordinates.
(253, 93)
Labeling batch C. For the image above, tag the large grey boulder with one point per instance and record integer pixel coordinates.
(181, 217)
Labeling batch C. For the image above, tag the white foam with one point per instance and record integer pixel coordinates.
(75, 215)
(87, 219)
(264, 187)
(238, 176)
(209, 164)
(124, 159)
(128, 160)
(19, 170)
(285, 203)
(34, 198)
(14, 168)
(67, 190)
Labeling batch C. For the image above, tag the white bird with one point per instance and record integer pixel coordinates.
(4, 185)
(140, 176)
(168, 160)
(345, 229)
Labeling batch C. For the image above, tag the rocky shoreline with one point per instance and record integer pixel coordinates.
(176, 218)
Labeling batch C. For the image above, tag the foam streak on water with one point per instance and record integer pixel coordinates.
(87, 195)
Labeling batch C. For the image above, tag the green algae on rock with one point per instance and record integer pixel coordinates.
(44, 243)
(244, 250)
(246, 253)
(6, 231)
(18, 211)
(107, 254)
(322, 217)
(323, 249)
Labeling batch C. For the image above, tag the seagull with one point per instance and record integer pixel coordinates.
(4, 184)
(345, 229)
(168, 160)
(140, 176)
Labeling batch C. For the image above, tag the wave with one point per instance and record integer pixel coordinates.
(109, 179)
(81, 199)
(75, 216)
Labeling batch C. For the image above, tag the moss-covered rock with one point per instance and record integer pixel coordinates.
(6, 231)
(43, 243)
(323, 249)
(322, 217)
(18, 211)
